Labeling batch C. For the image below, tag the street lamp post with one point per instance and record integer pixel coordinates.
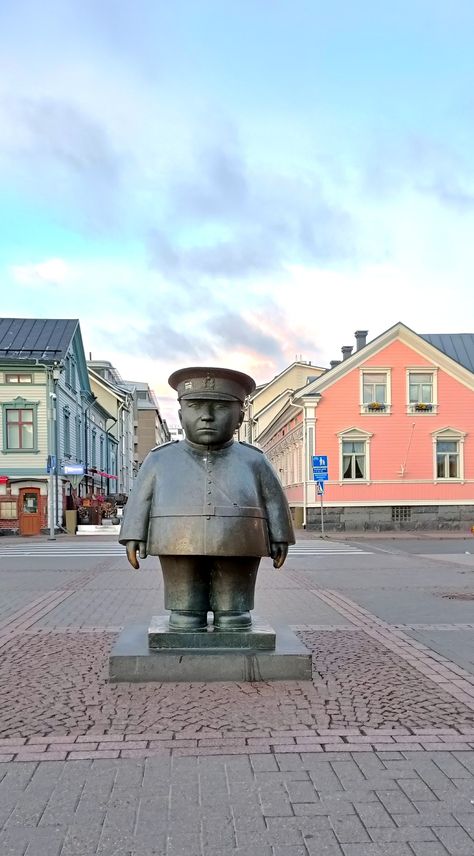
(53, 457)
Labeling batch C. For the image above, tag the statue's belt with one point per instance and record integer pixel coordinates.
(213, 511)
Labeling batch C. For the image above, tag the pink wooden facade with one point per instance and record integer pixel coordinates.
(402, 448)
(403, 444)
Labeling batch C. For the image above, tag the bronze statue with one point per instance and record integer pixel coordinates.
(208, 506)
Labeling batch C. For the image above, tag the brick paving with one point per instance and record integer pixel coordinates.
(63, 675)
(375, 757)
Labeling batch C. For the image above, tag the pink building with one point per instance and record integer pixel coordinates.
(396, 420)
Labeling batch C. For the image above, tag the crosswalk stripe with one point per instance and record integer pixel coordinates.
(64, 551)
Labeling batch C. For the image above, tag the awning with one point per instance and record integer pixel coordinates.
(5, 479)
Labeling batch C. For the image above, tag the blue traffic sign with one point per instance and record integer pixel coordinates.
(320, 488)
(51, 464)
(320, 474)
(320, 461)
(320, 468)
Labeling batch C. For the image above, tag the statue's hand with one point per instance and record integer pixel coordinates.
(134, 547)
(278, 552)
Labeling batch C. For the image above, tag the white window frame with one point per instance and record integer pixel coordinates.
(19, 378)
(354, 435)
(370, 370)
(450, 435)
(426, 370)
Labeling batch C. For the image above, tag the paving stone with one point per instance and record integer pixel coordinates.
(377, 850)
(46, 842)
(431, 849)
(349, 829)
(456, 840)
(290, 850)
(322, 843)
(373, 814)
(14, 842)
(339, 803)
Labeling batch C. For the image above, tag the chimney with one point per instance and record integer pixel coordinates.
(334, 363)
(346, 351)
(361, 338)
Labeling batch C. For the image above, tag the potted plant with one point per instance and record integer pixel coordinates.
(423, 407)
(375, 406)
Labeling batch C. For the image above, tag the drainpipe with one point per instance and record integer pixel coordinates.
(51, 409)
(121, 439)
(304, 467)
(55, 374)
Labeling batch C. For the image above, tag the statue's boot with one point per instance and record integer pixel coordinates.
(180, 620)
(232, 620)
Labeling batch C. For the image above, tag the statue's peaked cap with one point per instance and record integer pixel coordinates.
(213, 383)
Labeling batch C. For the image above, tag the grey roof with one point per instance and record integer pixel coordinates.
(42, 339)
(458, 346)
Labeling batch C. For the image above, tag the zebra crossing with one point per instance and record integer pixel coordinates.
(95, 549)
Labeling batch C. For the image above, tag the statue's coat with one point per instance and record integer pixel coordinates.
(190, 500)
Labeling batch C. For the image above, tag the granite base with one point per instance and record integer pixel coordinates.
(260, 636)
(133, 661)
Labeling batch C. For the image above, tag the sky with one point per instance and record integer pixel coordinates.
(206, 182)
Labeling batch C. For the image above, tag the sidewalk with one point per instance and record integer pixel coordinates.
(375, 757)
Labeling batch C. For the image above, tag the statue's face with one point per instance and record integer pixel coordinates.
(208, 422)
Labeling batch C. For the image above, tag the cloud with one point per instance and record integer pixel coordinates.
(422, 164)
(52, 271)
(233, 330)
(162, 341)
(230, 221)
(62, 156)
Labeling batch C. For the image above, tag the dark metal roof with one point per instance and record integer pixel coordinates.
(458, 346)
(42, 339)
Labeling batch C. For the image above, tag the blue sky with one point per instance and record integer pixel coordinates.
(236, 183)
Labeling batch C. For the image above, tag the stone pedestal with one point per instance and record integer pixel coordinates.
(259, 637)
(280, 657)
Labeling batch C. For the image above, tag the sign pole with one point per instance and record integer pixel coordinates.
(322, 516)
(51, 536)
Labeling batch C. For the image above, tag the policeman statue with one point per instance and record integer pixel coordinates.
(208, 506)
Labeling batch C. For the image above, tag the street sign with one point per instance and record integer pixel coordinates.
(320, 475)
(320, 468)
(51, 464)
(320, 488)
(320, 461)
(73, 469)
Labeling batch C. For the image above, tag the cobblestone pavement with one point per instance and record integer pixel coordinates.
(375, 757)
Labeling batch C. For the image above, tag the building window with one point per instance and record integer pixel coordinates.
(447, 459)
(375, 391)
(94, 449)
(8, 509)
(67, 431)
(448, 452)
(421, 392)
(20, 428)
(353, 459)
(20, 419)
(78, 438)
(101, 453)
(73, 376)
(354, 454)
(18, 378)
